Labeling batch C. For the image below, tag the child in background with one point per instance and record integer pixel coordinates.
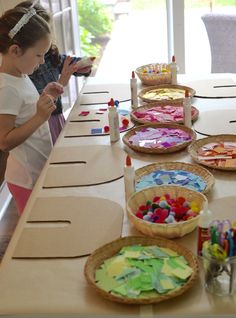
(57, 67)
(24, 39)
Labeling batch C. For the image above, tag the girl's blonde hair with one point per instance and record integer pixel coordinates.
(34, 30)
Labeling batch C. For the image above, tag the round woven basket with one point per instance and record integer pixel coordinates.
(159, 150)
(96, 259)
(168, 86)
(154, 78)
(196, 145)
(162, 104)
(195, 169)
(171, 230)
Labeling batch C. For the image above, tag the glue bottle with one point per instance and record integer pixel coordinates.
(204, 221)
(187, 110)
(134, 91)
(113, 118)
(173, 69)
(129, 178)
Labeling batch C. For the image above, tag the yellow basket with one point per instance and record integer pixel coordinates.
(153, 78)
(171, 230)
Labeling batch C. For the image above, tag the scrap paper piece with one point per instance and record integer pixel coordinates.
(95, 131)
(221, 154)
(162, 138)
(176, 177)
(162, 114)
(84, 113)
(143, 271)
(164, 94)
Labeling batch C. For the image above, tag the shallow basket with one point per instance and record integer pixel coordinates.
(171, 230)
(154, 78)
(144, 107)
(168, 86)
(193, 168)
(193, 149)
(107, 251)
(159, 150)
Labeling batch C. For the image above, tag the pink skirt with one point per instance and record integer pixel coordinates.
(56, 123)
(20, 195)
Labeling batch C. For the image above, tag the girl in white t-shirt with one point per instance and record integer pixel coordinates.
(24, 132)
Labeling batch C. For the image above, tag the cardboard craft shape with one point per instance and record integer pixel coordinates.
(102, 93)
(214, 88)
(216, 122)
(84, 165)
(60, 227)
(81, 126)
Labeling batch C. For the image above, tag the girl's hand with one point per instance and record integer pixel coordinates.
(68, 69)
(54, 89)
(45, 106)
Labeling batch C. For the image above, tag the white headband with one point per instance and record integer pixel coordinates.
(24, 19)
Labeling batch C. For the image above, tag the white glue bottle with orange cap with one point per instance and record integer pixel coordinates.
(129, 178)
(204, 222)
(113, 118)
(187, 109)
(134, 91)
(174, 70)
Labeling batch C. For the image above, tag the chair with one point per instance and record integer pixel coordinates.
(221, 30)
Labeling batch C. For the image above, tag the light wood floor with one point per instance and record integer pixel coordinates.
(7, 226)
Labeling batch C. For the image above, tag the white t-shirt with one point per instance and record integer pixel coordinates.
(18, 97)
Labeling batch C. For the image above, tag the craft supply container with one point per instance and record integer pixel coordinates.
(167, 230)
(220, 276)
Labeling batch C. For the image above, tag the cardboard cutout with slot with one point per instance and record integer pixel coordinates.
(93, 94)
(214, 88)
(84, 166)
(92, 122)
(216, 122)
(60, 227)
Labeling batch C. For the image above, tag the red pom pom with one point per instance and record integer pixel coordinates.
(139, 215)
(156, 199)
(125, 122)
(106, 129)
(180, 200)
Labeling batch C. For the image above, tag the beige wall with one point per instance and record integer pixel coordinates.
(5, 5)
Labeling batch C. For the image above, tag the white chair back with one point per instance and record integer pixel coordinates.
(221, 30)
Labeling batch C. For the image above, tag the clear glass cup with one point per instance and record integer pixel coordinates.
(220, 276)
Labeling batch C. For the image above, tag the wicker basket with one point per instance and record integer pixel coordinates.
(171, 230)
(168, 86)
(193, 149)
(96, 259)
(159, 150)
(154, 78)
(145, 107)
(195, 169)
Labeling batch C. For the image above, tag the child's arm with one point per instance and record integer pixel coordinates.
(11, 136)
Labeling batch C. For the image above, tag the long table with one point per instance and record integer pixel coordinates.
(57, 287)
